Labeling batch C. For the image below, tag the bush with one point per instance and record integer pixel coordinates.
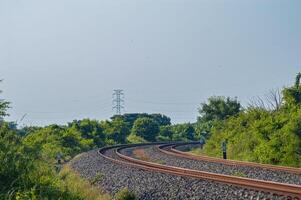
(260, 136)
(80, 188)
(125, 194)
(133, 139)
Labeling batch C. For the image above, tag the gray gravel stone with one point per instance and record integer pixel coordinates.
(250, 172)
(153, 185)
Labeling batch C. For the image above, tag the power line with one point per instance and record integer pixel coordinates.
(165, 103)
(118, 101)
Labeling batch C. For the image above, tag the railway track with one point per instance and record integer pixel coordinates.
(171, 149)
(153, 154)
(289, 191)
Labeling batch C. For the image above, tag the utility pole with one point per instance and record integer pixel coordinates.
(118, 101)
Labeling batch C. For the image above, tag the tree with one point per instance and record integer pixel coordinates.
(292, 95)
(218, 108)
(130, 118)
(183, 132)
(260, 135)
(162, 120)
(166, 132)
(4, 105)
(146, 128)
(271, 101)
(297, 82)
(89, 129)
(116, 130)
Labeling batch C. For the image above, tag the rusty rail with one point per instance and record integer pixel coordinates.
(288, 190)
(174, 152)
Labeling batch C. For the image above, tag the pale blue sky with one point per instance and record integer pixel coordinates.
(61, 59)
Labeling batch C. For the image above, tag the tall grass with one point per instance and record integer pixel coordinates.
(80, 187)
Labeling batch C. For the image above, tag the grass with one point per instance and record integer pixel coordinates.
(82, 188)
(239, 174)
(125, 194)
(99, 176)
(162, 162)
(141, 155)
(196, 151)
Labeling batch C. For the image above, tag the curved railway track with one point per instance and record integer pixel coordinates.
(172, 150)
(290, 191)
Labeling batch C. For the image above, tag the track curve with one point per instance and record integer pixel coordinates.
(175, 152)
(288, 190)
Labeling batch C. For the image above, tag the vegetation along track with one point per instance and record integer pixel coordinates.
(121, 155)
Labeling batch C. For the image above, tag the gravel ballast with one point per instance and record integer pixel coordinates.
(153, 185)
(250, 172)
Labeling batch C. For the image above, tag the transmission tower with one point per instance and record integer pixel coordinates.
(118, 101)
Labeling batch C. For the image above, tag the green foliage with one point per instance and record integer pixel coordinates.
(29, 168)
(117, 130)
(178, 132)
(146, 128)
(218, 108)
(125, 194)
(52, 140)
(27, 171)
(162, 120)
(98, 177)
(260, 136)
(165, 133)
(134, 139)
(298, 77)
(13, 163)
(22, 175)
(27, 195)
(81, 189)
(4, 105)
(161, 138)
(89, 129)
(130, 118)
(239, 174)
(292, 95)
(183, 132)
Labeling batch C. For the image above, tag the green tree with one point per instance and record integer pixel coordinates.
(130, 118)
(292, 95)
(162, 120)
(13, 164)
(260, 135)
(4, 105)
(116, 130)
(218, 108)
(166, 132)
(89, 129)
(146, 128)
(183, 132)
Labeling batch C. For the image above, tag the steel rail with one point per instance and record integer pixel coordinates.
(174, 152)
(288, 190)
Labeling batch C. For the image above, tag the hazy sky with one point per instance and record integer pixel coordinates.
(61, 59)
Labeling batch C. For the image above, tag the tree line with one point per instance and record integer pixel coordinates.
(266, 131)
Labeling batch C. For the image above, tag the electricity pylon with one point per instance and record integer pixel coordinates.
(118, 101)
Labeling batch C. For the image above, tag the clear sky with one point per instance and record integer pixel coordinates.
(62, 59)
